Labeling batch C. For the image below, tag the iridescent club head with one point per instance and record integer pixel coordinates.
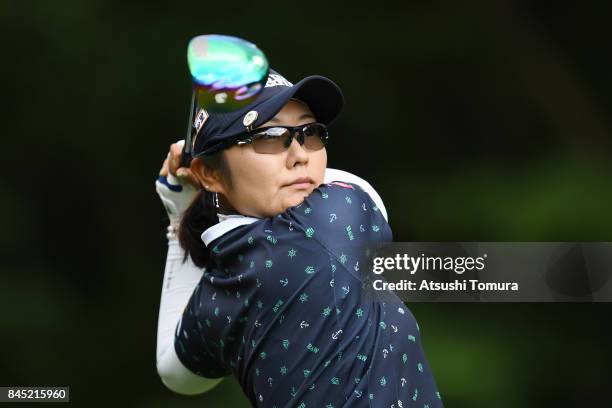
(228, 72)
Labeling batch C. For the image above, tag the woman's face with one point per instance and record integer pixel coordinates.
(263, 184)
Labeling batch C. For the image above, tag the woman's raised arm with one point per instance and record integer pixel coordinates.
(179, 282)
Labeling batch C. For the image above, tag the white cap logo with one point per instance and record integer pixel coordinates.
(200, 119)
(277, 80)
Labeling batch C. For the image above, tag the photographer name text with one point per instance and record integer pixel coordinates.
(457, 285)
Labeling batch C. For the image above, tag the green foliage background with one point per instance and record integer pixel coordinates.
(475, 121)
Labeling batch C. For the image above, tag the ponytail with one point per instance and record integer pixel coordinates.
(201, 214)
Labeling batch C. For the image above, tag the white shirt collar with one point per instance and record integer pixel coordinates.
(226, 223)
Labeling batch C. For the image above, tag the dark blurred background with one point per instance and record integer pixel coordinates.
(476, 121)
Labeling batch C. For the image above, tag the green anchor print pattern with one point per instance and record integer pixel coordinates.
(281, 308)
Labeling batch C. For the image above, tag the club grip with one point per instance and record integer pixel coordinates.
(186, 154)
(185, 158)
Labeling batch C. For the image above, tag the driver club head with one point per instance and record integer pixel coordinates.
(227, 74)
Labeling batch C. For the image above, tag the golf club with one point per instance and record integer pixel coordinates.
(227, 73)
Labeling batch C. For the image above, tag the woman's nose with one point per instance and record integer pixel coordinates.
(296, 153)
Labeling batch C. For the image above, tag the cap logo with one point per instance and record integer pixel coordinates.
(277, 80)
(249, 118)
(197, 125)
(199, 120)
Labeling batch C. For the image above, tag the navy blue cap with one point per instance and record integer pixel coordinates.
(323, 97)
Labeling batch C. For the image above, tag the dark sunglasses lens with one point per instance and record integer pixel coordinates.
(278, 139)
(315, 136)
(271, 140)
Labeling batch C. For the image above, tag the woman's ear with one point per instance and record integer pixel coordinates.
(208, 178)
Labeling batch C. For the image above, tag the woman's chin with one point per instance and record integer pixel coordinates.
(294, 200)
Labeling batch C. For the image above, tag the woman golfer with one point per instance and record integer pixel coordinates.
(272, 293)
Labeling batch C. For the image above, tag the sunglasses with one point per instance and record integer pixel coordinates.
(277, 139)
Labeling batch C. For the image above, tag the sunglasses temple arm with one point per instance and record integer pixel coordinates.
(186, 154)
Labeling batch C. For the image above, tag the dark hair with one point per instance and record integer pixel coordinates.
(202, 213)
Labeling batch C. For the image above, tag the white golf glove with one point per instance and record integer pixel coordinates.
(176, 195)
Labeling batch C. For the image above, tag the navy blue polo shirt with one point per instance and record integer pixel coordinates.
(281, 308)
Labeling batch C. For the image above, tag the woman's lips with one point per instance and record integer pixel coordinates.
(301, 186)
(302, 183)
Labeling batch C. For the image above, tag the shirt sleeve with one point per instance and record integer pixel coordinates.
(340, 214)
(193, 347)
(341, 175)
